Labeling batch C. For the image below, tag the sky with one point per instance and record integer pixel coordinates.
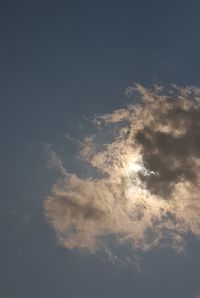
(99, 105)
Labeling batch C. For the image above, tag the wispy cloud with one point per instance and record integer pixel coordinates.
(148, 193)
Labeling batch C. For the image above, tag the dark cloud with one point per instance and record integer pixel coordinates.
(170, 155)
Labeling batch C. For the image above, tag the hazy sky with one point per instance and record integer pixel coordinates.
(62, 62)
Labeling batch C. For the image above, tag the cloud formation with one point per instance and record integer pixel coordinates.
(147, 189)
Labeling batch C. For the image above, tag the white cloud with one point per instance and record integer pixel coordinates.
(158, 202)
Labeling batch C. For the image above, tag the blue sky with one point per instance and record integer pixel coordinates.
(62, 61)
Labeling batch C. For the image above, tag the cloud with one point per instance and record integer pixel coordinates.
(146, 182)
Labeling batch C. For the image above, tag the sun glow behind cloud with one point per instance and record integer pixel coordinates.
(135, 167)
(148, 193)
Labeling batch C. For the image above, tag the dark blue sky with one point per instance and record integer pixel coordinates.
(60, 61)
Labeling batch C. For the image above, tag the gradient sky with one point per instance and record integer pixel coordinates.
(63, 62)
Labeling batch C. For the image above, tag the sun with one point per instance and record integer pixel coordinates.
(135, 164)
(135, 167)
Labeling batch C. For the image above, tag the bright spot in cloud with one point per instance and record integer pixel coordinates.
(135, 167)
